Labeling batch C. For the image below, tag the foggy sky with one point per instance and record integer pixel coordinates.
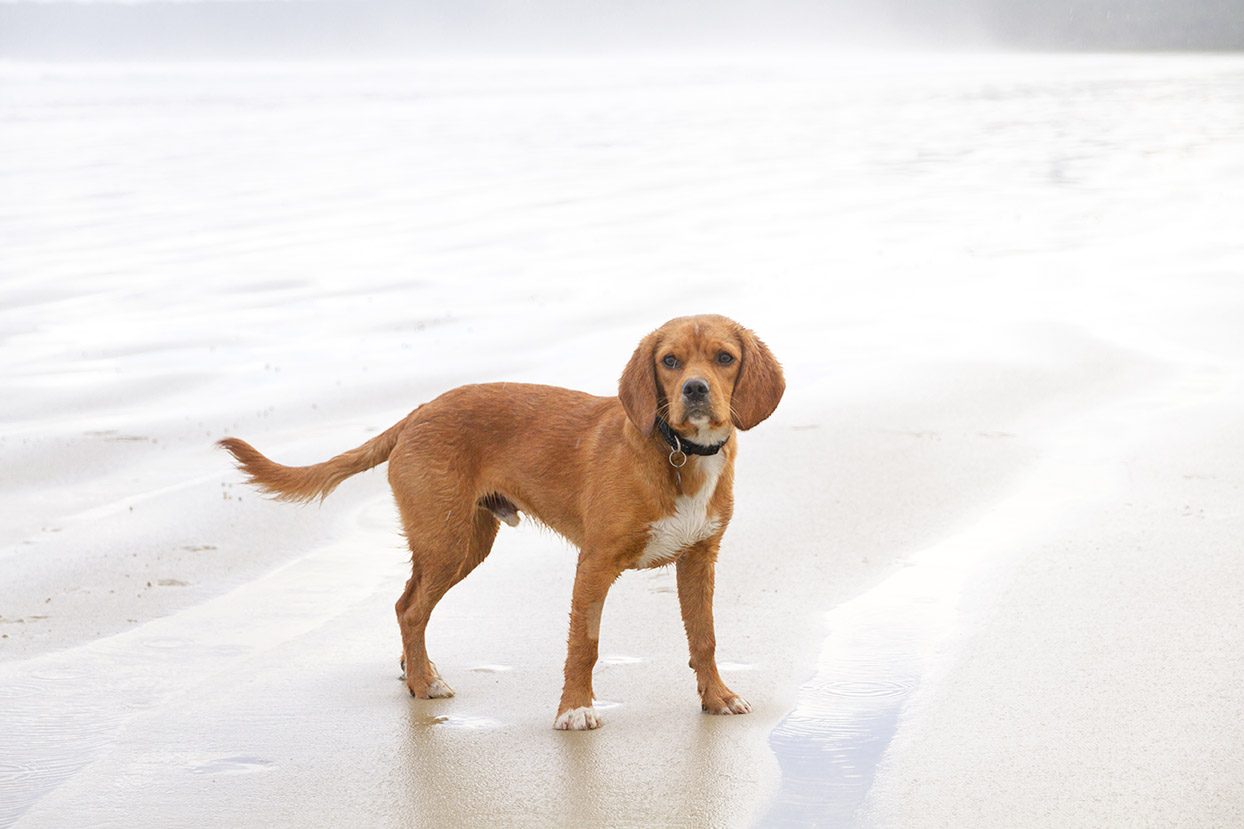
(415, 27)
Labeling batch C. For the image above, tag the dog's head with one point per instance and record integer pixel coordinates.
(702, 374)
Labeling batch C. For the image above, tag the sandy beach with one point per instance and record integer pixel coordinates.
(985, 566)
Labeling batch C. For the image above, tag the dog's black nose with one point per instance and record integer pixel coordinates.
(695, 389)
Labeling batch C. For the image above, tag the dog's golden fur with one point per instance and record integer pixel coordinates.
(591, 468)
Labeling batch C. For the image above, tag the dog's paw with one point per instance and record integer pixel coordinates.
(577, 719)
(436, 689)
(729, 705)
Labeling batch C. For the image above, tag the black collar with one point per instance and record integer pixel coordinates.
(680, 444)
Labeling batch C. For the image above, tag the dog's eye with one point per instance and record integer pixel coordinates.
(670, 361)
(725, 358)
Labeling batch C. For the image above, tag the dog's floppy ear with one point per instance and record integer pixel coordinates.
(638, 386)
(759, 386)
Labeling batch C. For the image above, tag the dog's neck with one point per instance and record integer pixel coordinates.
(678, 443)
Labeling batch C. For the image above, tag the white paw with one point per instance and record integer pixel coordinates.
(577, 719)
(734, 705)
(439, 689)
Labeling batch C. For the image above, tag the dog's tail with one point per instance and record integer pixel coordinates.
(305, 483)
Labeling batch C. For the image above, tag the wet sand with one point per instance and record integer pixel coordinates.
(282, 695)
(984, 565)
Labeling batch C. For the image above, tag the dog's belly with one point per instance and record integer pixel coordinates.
(668, 537)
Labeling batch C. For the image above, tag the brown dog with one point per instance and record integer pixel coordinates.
(639, 480)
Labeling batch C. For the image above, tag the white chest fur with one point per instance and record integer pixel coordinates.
(690, 521)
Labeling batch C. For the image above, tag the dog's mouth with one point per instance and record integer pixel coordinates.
(700, 417)
(700, 426)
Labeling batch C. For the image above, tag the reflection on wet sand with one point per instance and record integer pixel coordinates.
(571, 778)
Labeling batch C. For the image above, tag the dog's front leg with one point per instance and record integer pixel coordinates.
(591, 582)
(695, 596)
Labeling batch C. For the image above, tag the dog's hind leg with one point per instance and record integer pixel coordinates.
(443, 552)
(400, 608)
